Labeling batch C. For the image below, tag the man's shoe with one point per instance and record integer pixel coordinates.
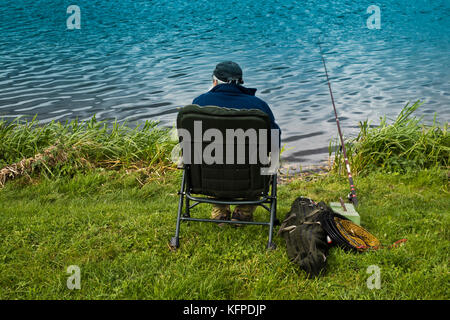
(240, 215)
(220, 213)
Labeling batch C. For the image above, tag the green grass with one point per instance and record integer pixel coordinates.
(404, 145)
(117, 231)
(85, 144)
(109, 207)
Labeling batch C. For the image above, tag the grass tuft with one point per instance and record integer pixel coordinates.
(83, 145)
(404, 145)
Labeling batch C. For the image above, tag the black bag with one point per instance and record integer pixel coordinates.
(305, 238)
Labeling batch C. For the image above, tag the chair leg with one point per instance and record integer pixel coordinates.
(273, 213)
(187, 213)
(175, 241)
(271, 245)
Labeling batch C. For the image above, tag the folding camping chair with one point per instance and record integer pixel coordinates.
(232, 178)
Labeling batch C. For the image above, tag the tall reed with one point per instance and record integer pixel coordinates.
(406, 144)
(92, 142)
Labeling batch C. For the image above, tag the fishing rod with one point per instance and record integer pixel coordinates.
(352, 195)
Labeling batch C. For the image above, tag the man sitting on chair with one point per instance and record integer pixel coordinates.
(228, 92)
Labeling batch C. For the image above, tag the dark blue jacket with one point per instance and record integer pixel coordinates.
(235, 97)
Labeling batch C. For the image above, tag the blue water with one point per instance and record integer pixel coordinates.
(138, 60)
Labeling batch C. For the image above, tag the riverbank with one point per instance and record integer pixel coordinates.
(116, 228)
(104, 198)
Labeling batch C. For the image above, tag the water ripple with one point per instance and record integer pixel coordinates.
(139, 60)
